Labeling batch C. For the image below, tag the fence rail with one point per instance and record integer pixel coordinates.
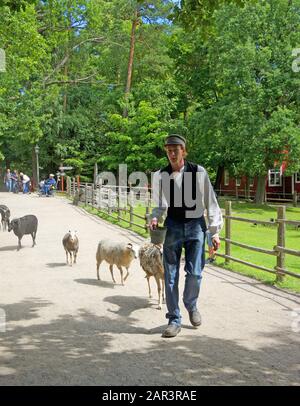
(278, 250)
(109, 200)
(112, 200)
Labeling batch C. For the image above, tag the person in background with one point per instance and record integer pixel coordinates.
(14, 180)
(49, 185)
(25, 181)
(7, 180)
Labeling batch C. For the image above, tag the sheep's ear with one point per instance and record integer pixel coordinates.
(129, 245)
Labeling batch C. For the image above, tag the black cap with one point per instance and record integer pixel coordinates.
(175, 139)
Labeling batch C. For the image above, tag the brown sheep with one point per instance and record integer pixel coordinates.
(71, 246)
(151, 261)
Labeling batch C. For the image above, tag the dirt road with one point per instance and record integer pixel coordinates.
(63, 327)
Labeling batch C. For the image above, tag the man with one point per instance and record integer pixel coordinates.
(26, 182)
(7, 181)
(49, 185)
(183, 191)
(14, 180)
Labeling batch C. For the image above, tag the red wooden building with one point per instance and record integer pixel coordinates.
(278, 185)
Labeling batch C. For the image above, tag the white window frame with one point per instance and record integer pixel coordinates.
(226, 177)
(238, 181)
(297, 177)
(275, 172)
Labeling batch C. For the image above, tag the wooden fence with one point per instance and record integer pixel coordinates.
(109, 199)
(279, 250)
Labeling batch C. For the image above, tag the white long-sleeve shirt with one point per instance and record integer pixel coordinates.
(25, 179)
(205, 201)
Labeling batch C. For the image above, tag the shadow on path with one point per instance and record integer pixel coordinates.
(9, 248)
(95, 282)
(56, 264)
(83, 350)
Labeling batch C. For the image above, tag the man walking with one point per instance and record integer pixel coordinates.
(181, 192)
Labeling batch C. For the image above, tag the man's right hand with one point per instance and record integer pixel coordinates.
(153, 223)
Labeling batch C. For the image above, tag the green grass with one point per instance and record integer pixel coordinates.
(263, 237)
(247, 233)
(113, 218)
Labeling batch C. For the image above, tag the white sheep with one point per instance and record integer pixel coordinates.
(115, 253)
(71, 246)
(151, 261)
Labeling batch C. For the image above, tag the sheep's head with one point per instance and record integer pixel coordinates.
(72, 236)
(134, 249)
(13, 224)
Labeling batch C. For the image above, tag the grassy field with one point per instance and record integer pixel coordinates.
(256, 235)
(264, 237)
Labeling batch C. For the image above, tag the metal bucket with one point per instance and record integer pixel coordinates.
(158, 235)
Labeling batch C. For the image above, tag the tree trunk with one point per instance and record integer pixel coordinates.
(34, 174)
(218, 180)
(135, 23)
(260, 189)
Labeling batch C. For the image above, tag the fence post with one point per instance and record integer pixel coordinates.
(109, 201)
(227, 230)
(130, 206)
(85, 196)
(280, 242)
(74, 186)
(93, 194)
(118, 203)
(147, 215)
(295, 198)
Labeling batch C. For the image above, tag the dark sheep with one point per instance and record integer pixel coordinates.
(5, 216)
(24, 225)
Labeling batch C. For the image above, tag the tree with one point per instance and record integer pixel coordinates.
(246, 116)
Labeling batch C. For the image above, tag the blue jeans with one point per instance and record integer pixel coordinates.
(26, 187)
(46, 189)
(8, 184)
(191, 236)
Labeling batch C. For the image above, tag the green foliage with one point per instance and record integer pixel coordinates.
(218, 72)
(135, 141)
(246, 113)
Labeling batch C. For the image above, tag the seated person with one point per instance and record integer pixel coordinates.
(49, 185)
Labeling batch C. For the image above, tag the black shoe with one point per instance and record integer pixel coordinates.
(171, 331)
(195, 318)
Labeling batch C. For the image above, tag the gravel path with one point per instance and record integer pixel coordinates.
(66, 328)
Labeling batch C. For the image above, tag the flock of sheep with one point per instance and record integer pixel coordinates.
(114, 253)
